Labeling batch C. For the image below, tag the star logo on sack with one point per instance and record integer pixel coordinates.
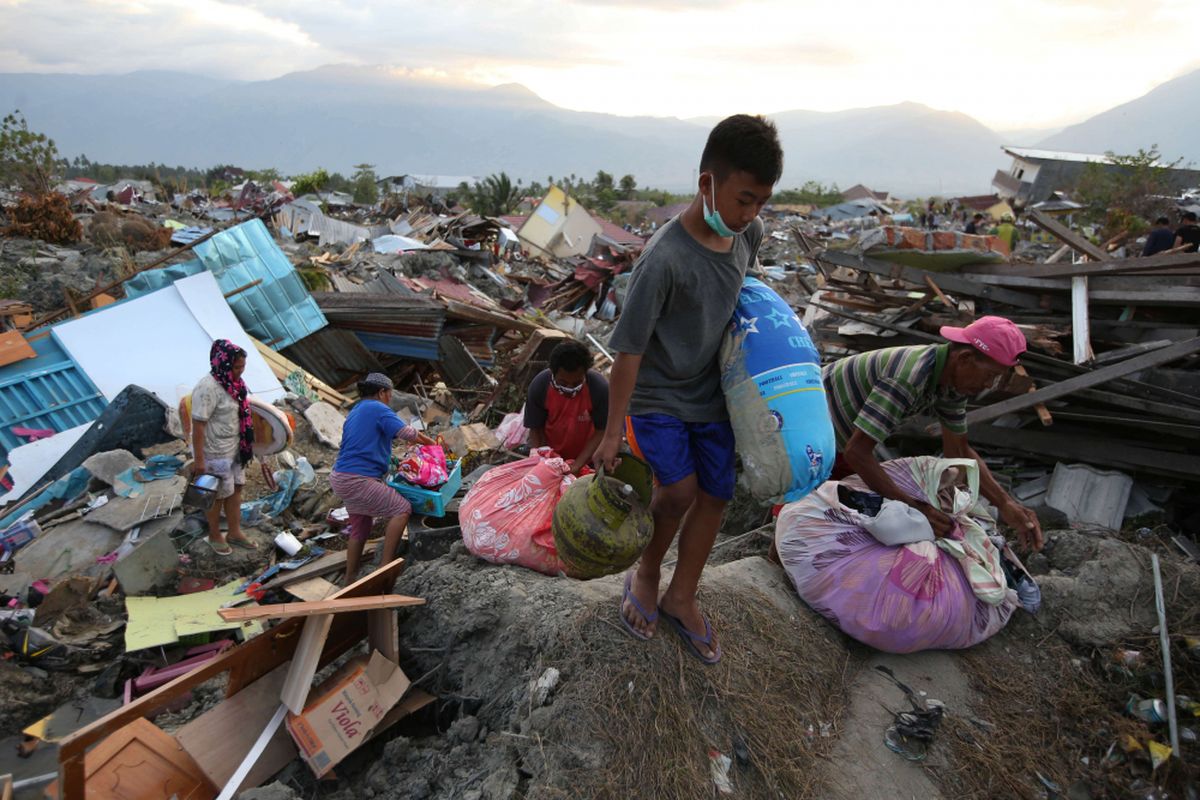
(779, 319)
(748, 325)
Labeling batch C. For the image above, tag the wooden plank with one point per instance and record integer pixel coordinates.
(1164, 409)
(1101, 450)
(500, 319)
(142, 761)
(1042, 412)
(949, 282)
(246, 663)
(307, 658)
(298, 683)
(1180, 262)
(347, 630)
(1085, 381)
(383, 633)
(283, 366)
(1067, 236)
(316, 607)
(330, 562)
(219, 737)
(13, 348)
(311, 589)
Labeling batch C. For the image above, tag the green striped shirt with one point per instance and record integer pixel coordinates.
(877, 390)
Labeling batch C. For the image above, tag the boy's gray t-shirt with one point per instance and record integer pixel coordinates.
(679, 304)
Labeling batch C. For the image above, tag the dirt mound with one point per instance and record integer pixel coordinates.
(611, 717)
(134, 233)
(1100, 590)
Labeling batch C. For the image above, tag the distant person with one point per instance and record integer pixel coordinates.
(567, 405)
(1007, 231)
(681, 298)
(1160, 239)
(1188, 235)
(973, 225)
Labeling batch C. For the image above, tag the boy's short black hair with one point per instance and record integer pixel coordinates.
(571, 356)
(746, 143)
(978, 216)
(1189, 216)
(1162, 221)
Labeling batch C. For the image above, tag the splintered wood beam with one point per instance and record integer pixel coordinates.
(1042, 412)
(1084, 381)
(312, 608)
(1067, 236)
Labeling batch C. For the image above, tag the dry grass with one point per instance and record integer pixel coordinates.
(1050, 708)
(650, 713)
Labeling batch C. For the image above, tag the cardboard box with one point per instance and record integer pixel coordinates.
(346, 710)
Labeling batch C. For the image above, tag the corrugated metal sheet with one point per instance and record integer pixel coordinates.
(335, 356)
(49, 391)
(279, 311)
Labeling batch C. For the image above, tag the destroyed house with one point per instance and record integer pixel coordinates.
(1036, 174)
(424, 184)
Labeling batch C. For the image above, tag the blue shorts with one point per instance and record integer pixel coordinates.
(676, 449)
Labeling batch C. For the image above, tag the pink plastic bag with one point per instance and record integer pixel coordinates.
(425, 465)
(507, 515)
(511, 431)
(897, 599)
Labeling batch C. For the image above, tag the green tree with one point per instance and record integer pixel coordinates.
(812, 193)
(365, 189)
(603, 181)
(264, 177)
(606, 198)
(1128, 192)
(628, 187)
(310, 183)
(27, 158)
(493, 196)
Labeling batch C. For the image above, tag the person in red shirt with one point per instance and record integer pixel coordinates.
(567, 406)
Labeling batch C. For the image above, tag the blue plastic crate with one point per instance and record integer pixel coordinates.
(430, 502)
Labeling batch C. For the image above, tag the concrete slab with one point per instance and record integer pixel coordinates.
(124, 513)
(108, 465)
(153, 560)
(69, 548)
(326, 423)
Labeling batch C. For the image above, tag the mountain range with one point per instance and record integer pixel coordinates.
(338, 116)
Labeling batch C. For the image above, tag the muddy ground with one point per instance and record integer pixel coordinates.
(797, 707)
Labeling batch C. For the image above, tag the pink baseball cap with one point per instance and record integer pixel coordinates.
(996, 337)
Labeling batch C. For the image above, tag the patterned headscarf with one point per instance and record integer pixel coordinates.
(221, 357)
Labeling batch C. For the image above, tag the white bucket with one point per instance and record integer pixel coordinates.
(288, 543)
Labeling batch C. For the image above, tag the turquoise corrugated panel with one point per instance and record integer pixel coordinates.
(155, 279)
(49, 391)
(280, 310)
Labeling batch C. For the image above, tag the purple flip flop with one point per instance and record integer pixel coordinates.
(650, 618)
(690, 639)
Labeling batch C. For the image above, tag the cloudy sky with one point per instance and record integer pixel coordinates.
(1009, 63)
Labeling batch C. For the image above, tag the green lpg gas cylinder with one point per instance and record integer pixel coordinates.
(602, 523)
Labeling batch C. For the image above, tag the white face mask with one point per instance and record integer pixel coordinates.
(712, 216)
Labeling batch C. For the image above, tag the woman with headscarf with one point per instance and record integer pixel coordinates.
(223, 440)
(362, 462)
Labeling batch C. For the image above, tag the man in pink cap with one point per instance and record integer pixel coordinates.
(871, 394)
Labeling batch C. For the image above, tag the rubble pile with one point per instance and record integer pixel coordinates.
(124, 629)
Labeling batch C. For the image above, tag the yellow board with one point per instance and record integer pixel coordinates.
(156, 621)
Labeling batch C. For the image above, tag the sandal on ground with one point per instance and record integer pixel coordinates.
(245, 544)
(690, 639)
(220, 548)
(651, 617)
